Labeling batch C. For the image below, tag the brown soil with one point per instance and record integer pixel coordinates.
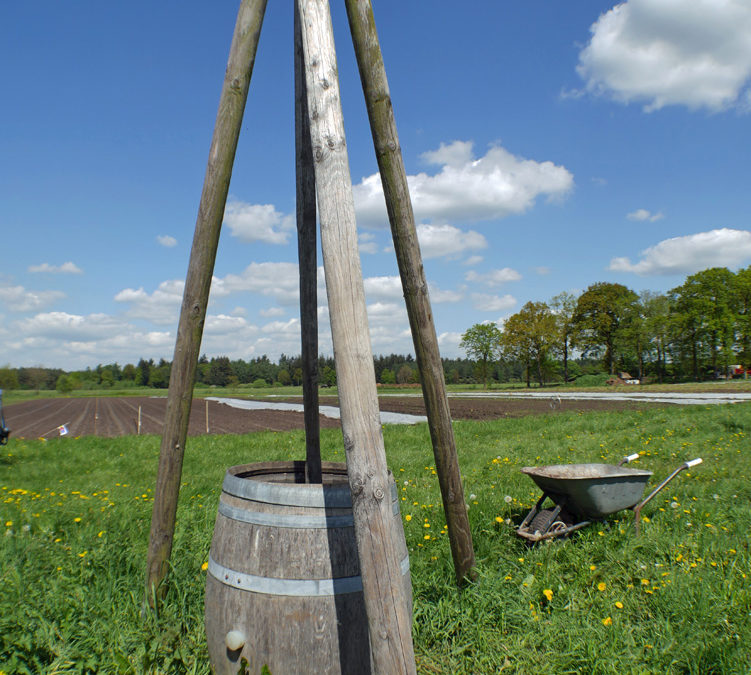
(119, 416)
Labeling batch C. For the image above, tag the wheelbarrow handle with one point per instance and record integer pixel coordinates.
(629, 459)
(637, 509)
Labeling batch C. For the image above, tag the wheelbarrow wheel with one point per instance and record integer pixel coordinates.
(547, 522)
(542, 521)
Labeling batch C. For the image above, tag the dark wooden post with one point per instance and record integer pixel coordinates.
(197, 286)
(401, 217)
(389, 617)
(308, 261)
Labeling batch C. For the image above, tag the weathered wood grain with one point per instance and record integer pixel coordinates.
(308, 261)
(197, 286)
(409, 259)
(389, 619)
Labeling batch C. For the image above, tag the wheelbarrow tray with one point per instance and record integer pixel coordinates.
(590, 490)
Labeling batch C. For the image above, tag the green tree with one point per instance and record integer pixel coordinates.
(64, 384)
(743, 315)
(482, 343)
(8, 378)
(563, 306)
(144, 370)
(655, 309)
(387, 376)
(705, 307)
(529, 336)
(601, 320)
(404, 375)
(220, 371)
(328, 376)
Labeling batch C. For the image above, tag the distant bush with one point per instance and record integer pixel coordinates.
(259, 383)
(598, 380)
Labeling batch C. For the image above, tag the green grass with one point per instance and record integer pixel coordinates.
(676, 599)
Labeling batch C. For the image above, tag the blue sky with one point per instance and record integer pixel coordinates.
(549, 145)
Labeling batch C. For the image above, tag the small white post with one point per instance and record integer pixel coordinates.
(139, 420)
(207, 416)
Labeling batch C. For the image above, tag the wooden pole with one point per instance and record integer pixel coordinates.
(389, 617)
(401, 217)
(197, 285)
(307, 256)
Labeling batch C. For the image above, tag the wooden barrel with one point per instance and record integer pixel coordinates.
(283, 587)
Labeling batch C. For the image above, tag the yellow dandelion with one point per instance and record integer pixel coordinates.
(498, 519)
(77, 519)
(607, 621)
(100, 533)
(592, 568)
(81, 555)
(619, 604)
(205, 566)
(548, 594)
(426, 537)
(426, 525)
(8, 523)
(645, 582)
(601, 586)
(408, 517)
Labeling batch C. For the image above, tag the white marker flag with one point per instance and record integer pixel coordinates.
(62, 429)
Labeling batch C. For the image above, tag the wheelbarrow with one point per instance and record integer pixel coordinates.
(582, 493)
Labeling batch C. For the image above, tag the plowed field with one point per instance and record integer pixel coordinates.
(102, 416)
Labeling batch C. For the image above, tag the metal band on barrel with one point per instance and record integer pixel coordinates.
(295, 521)
(319, 496)
(286, 520)
(290, 587)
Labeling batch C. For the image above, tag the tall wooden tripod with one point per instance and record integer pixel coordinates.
(321, 145)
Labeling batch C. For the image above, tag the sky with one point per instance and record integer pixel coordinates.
(549, 146)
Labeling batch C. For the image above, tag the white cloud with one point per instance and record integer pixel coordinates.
(222, 324)
(493, 186)
(258, 222)
(277, 280)
(161, 307)
(271, 312)
(166, 240)
(69, 327)
(65, 268)
(70, 341)
(391, 311)
(492, 303)
(543, 271)
(494, 277)
(383, 288)
(367, 243)
(446, 240)
(438, 296)
(643, 214)
(20, 299)
(671, 52)
(449, 341)
(690, 254)
(473, 260)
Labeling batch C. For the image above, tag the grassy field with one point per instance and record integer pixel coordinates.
(677, 599)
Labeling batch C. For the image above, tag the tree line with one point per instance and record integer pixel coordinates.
(219, 371)
(696, 331)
